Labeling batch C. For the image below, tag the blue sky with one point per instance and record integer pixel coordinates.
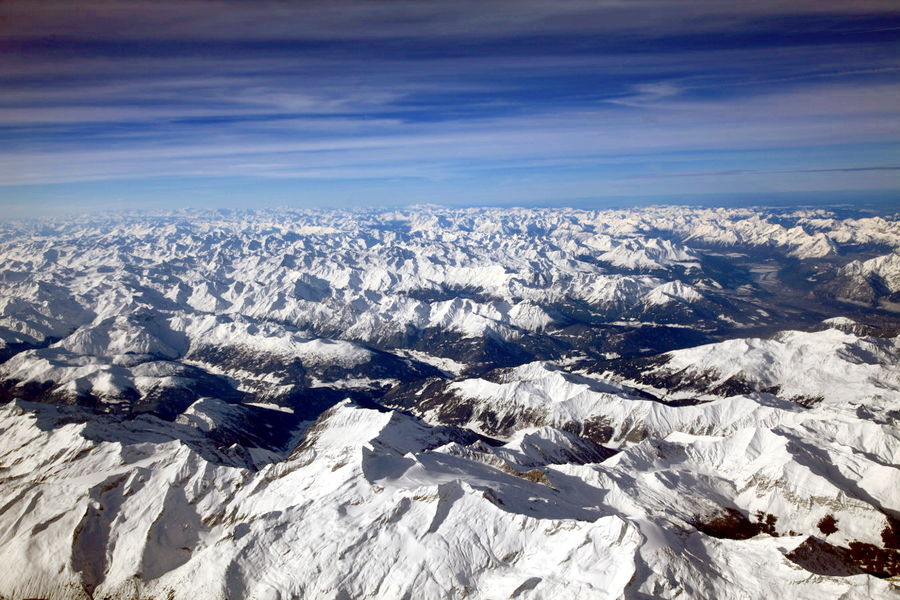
(361, 102)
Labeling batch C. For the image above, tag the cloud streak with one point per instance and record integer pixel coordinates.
(451, 93)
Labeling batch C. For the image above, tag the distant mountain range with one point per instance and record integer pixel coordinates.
(664, 402)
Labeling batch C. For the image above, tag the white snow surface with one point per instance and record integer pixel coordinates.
(886, 268)
(368, 276)
(835, 365)
(373, 505)
(367, 502)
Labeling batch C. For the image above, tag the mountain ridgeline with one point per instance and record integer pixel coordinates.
(664, 402)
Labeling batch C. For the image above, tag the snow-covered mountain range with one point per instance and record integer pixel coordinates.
(667, 402)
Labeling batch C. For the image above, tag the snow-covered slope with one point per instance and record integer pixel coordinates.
(666, 402)
(377, 277)
(833, 365)
(376, 504)
(870, 282)
(707, 390)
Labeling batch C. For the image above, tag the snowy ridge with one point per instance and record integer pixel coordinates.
(672, 291)
(886, 268)
(834, 365)
(367, 483)
(667, 402)
(368, 276)
(844, 371)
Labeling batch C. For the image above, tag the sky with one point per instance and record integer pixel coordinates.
(348, 103)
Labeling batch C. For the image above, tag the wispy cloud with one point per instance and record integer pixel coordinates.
(448, 91)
